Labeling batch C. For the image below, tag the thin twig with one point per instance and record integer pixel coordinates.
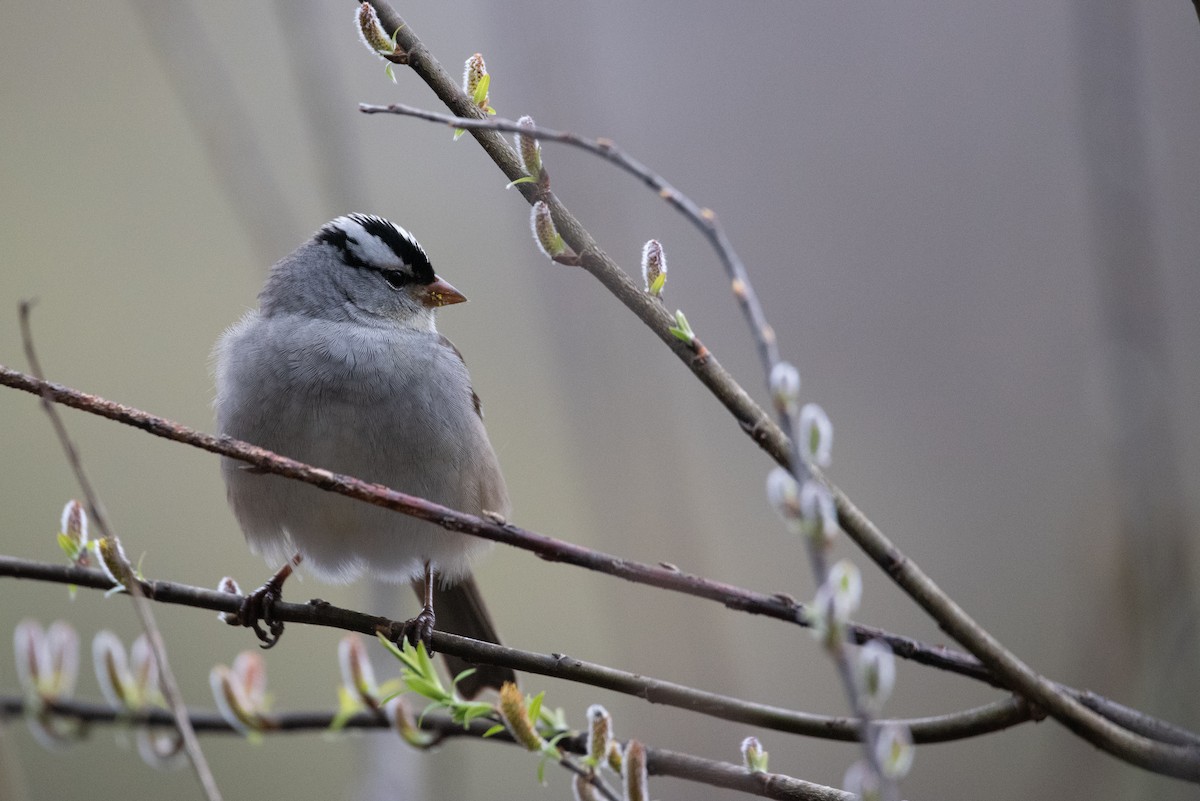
(659, 761)
(1178, 761)
(141, 607)
(934, 729)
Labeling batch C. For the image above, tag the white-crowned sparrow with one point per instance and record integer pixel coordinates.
(341, 367)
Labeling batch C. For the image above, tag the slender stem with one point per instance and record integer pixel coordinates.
(170, 687)
(659, 761)
(939, 728)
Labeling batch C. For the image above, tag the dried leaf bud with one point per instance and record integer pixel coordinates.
(633, 772)
(599, 733)
(371, 31)
(358, 677)
(785, 387)
(544, 233)
(515, 715)
(530, 149)
(784, 496)
(816, 434)
(894, 750)
(876, 674)
(753, 755)
(818, 512)
(654, 267)
(228, 584)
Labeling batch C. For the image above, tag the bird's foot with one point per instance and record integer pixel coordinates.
(419, 629)
(260, 606)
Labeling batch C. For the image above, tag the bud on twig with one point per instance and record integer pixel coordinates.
(894, 750)
(529, 149)
(228, 584)
(633, 772)
(73, 533)
(816, 434)
(784, 496)
(241, 692)
(515, 715)
(476, 81)
(785, 387)
(546, 235)
(599, 734)
(358, 677)
(582, 788)
(876, 674)
(753, 755)
(654, 267)
(818, 513)
(406, 727)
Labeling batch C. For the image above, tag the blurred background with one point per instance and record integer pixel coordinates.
(974, 229)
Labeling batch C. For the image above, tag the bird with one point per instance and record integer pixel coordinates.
(341, 366)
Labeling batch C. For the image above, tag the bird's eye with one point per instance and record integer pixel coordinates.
(395, 278)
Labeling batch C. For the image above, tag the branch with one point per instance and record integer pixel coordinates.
(777, 606)
(934, 729)
(1173, 760)
(170, 687)
(660, 762)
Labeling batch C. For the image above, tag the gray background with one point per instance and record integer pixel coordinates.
(974, 228)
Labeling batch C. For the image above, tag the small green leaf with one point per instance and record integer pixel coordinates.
(469, 671)
(499, 727)
(535, 705)
(68, 546)
(481, 90)
(528, 179)
(657, 287)
(391, 73)
(458, 132)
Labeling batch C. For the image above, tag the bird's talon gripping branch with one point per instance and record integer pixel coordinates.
(420, 629)
(260, 606)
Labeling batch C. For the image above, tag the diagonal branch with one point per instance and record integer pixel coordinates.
(1178, 761)
(141, 607)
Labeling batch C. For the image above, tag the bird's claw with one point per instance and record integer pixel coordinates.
(419, 629)
(260, 606)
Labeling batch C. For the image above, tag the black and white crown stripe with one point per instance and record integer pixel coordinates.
(373, 243)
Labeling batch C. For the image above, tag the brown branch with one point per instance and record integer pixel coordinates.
(660, 762)
(934, 729)
(777, 606)
(1178, 761)
(170, 687)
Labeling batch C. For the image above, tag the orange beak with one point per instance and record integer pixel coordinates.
(440, 293)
